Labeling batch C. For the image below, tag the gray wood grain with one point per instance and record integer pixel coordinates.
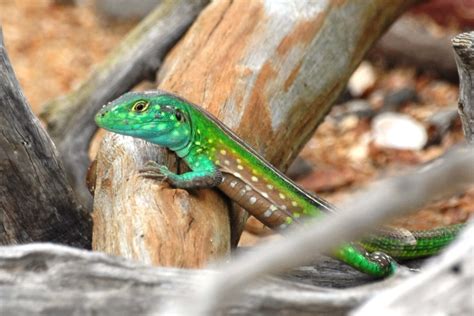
(463, 45)
(48, 279)
(36, 202)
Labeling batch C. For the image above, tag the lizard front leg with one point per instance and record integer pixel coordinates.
(199, 178)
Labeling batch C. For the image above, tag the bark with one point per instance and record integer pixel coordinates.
(36, 202)
(70, 118)
(463, 45)
(268, 70)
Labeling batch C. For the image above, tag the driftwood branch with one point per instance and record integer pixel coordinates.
(270, 71)
(46, 279)
(463, 45)
(70, 119)
(409, 41)
(36, 202)
(364, 212)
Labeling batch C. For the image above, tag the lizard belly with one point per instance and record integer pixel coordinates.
(263, 208)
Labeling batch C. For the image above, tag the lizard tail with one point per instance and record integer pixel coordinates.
(404, 244)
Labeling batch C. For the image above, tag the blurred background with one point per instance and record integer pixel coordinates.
(399, 108)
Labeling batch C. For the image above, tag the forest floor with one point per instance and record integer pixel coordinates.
(53, 48)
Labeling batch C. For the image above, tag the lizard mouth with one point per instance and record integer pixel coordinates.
(132, 128)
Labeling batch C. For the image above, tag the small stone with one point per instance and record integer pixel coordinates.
(358, 107)
(362, 80)
(349, 122)
(360, 151)
(396, 99)
(398, 131)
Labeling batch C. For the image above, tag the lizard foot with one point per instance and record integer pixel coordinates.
(153, 170)
(385, 262)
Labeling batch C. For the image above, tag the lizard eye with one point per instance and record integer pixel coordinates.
(179, 115)
(140, 106)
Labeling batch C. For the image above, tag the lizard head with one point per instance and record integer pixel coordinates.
(157, 117)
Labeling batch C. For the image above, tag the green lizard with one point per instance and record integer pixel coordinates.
(219, 158)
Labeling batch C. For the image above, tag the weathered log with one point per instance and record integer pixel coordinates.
(410, 42)
(463, 45)
(70, 119)
(270, 71)
(144, 229)
(50, 279)
(36, 202)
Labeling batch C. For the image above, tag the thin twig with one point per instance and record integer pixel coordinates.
(392, 197)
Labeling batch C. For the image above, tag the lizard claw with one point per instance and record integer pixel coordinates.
(151, 175)
(150, 164)
(152, 170)
(384, 261)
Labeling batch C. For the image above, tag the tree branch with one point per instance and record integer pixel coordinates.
(409, 41)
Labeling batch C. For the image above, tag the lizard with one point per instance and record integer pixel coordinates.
(217, 157)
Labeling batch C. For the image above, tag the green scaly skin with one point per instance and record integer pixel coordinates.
(218, 158)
